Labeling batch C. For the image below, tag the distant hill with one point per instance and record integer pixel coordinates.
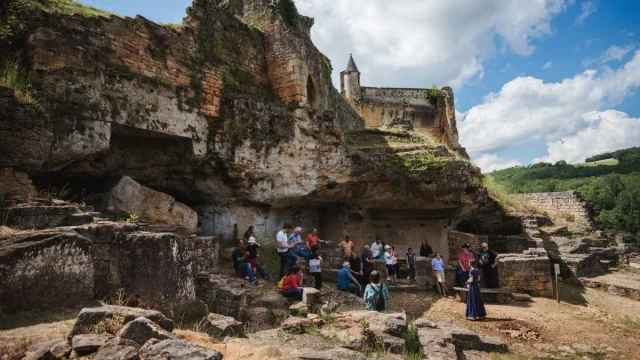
(610, 181)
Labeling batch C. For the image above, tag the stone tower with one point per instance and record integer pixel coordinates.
(350, 81)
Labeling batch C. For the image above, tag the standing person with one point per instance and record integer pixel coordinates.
(464, 264)
(296, 239)
(347, 246)
(395, 260)
(367, 264)
(312, 239)
(489, 261)
(249, 233)
(437, 269)
(376, 247)
(346, 282)
(283, 247)
(383, 249)
(410, 258)
(252, 251)
(376, 294)
(475, 307)
(355, 266)
(292, 286)
(389, 261)
(240, 256)
(425, 249)
(315, 266)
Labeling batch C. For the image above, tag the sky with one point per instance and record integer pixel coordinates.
(534, 80)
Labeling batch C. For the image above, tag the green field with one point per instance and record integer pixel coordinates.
(601, 162)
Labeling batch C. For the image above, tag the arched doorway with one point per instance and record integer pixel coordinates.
(312, 93)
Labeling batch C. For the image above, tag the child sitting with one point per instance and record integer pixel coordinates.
(252, 249)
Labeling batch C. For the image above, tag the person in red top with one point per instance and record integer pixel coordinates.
(292, 286)
(312, 239)
(464, 263)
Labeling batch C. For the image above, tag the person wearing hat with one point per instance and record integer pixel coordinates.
(390, 260)
(296, 239)
(252, 249)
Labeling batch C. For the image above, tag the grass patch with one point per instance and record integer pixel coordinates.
(69, 7)
(630, 323)
(14, 75)
(16, 350)
(606, 162)
(506, 200)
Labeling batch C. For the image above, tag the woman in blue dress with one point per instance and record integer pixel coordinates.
(475, 307)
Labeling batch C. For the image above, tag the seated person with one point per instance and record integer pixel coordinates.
(292, 286)
(312, 239)
(241, 264)
(298, 249)
(346, 281)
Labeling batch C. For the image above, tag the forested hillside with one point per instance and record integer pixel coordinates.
(613, 189)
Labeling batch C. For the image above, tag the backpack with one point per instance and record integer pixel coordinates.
(281, 283)
(378, 298)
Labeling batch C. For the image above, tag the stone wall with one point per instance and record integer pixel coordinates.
(457, 239)
(44, 269)
(567, 203)
(298, 71)
(527, 274)
(14, 183)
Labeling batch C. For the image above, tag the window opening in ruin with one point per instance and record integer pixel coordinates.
(312, 96)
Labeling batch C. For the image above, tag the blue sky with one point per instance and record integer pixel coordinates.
(542, 80)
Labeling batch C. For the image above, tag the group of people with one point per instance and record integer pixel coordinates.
(357, 273)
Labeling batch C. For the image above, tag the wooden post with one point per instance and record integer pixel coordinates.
(556, 268)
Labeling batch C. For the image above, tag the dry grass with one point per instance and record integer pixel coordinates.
(507, 200)
(15, 350)
(14, 76)
(70, 7)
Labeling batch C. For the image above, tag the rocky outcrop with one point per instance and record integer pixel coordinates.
(198, 114)
(180, 350)
(129, 197)
(142, 330)
(89, 317)
(51, 268)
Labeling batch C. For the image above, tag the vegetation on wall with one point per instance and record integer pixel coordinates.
(327, 68)
(288, 10)
(613, 189)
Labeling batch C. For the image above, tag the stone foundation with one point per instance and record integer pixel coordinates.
(527, 274)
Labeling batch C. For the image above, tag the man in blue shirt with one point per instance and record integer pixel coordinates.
(346, 281)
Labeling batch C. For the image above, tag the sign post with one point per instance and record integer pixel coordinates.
(556, 268)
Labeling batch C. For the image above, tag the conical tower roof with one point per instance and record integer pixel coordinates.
(351, 66)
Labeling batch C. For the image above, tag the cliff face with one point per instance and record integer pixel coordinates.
(240, 122)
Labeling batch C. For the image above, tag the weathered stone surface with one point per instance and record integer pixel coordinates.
(220, 326)
(116, 341)
(117, 352)
(130, 197)
(86, 343)
(42, 216)
(142, 330)
(54, 349)
(144, 349)
(297, 306)
(158, 268)
(443, 341)
(388, 329)
(180, 350)
(568, 204)
(44, 269)
(296, 325)
(14, 183)
(89, 317)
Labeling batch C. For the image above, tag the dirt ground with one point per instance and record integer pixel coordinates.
(586, 324)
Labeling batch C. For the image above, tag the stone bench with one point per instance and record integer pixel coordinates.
(501, 293)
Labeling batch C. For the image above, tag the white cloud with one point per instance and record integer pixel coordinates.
(547, 65)
(613, 53)
(416, 43)
(606, 131)
(506, 67)
(490, 162)
(528, 109)
(588, 8)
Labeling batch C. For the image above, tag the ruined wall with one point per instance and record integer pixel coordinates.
(567, 203)
(527, 274)
(298, 71)
(435, 114)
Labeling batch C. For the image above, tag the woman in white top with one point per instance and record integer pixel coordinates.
(389, 259)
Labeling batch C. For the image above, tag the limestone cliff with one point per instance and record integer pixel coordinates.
(233, 115)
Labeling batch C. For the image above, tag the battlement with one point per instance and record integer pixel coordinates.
(419, 97)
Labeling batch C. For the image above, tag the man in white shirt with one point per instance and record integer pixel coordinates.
(283, 246)
(375, 247)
